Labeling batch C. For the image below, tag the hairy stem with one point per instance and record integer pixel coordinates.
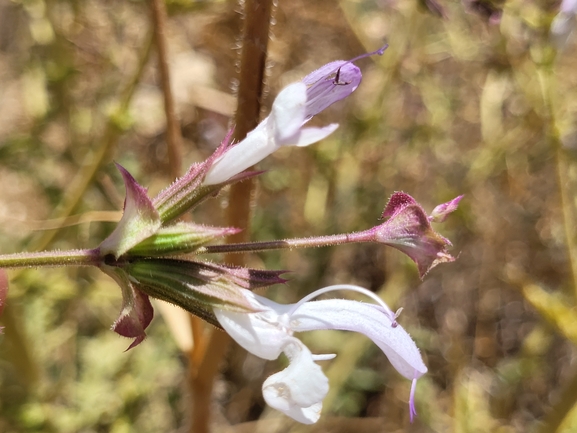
(173, 134)
(174, 147)
(251, 82)
(51, 258)
(313, 242)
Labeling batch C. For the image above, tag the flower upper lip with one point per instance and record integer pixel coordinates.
(294, 106)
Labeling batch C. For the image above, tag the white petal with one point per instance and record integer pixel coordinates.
(259, 333)
(367, 319)
(281, 128)
(253, 149)
(298, 390)
(308, 136)
(288, 113)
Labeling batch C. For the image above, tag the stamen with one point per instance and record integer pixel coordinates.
(362, 290)
(397, 314)
(412, 409)
(379, 52)
(324, 357)
(337, 80)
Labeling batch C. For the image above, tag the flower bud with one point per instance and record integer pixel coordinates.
(441, 212)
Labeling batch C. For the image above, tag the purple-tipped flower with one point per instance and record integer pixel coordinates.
(291, 110)
(298, 390)
(329, 84)
(333, 82)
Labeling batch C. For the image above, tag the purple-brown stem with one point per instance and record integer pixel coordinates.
(255, 36)
(173, 135)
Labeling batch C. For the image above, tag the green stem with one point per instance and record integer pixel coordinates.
(313, 242)
(51, 258)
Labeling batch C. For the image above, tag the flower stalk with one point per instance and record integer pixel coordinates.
(407, 228)
(285, 244)
(253, 55)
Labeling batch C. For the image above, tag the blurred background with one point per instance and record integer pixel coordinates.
(470, 98)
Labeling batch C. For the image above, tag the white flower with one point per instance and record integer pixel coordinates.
(283, 127)
(298, 390)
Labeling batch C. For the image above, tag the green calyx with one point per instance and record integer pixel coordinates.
(196, 287)
(180, 238)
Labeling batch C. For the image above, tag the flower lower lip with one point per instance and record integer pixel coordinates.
(298, 390)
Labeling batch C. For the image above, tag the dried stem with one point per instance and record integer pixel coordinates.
(251, 82)
(174, 147)
(173, 134)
